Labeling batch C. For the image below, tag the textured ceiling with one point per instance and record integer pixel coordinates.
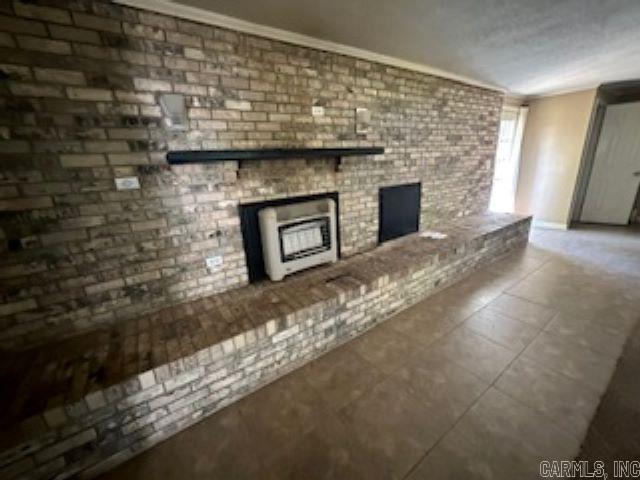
(528, 47)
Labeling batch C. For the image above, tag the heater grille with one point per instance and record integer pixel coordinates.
(303, 239)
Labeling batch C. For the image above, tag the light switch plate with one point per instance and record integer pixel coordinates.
(127, 183)
(214, 263)
(174, 111)
(363, 120)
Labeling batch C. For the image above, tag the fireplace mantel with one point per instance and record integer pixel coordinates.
(208, 156)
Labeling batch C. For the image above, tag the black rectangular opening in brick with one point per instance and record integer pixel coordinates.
(399, 208)
(250, 226)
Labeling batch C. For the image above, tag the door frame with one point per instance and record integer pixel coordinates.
(607, 94)
(587, 160)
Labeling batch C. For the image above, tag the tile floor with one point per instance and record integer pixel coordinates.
(614, 433)
(482, 380)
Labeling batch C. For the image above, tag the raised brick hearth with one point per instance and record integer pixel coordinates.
(88, 402)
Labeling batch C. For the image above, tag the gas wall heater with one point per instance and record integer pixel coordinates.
(298, 236)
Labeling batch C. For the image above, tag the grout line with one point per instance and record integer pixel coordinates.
(525, 404)
(491, 385)
(555, 370)
(384, 376)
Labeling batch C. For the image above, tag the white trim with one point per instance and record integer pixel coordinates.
(200, 15)
(566, 91)
(549, 225)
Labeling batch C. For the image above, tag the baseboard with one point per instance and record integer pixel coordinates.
(549, 225)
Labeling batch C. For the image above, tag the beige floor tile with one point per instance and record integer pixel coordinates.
(568, 402)
(582, 364)
(328, 451)
(453, 303)
(341, 376)
(581, 304)
(503, 330)
(497, 439)
(480, 356)
(441, 383)
(584, 332)
(523, 310)
(617, 317)
(213, 448)
(422, 325)
(280, 413)
(540, 294)
(612, 250)
(519, 264)
(446, 304)
(397, 427)
(566, 288)
(384, 347)
(477, 289)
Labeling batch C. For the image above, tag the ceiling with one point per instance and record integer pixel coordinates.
(526, 47)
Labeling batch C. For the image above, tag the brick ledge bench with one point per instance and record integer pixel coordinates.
(86, 403)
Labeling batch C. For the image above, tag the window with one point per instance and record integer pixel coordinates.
(507, 162)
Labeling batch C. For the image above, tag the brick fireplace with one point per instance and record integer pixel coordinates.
(83, 91)
(105, 271)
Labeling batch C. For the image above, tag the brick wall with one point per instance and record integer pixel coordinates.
(79, 98)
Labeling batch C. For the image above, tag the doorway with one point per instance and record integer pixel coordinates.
(608, 95)
(613, 184)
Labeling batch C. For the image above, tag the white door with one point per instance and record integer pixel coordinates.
(616, 168)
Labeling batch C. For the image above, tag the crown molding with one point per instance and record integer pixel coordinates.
(211, 18)
(566, 91)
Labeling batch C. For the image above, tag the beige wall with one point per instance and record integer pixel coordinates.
(552, 147)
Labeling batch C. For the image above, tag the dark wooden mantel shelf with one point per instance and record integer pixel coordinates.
(208, 156)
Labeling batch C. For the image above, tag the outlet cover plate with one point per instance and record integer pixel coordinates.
(127, 183)
(214, 263)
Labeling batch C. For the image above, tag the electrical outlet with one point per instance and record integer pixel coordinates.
(127, 183)
(214, 263)
(317, 111)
